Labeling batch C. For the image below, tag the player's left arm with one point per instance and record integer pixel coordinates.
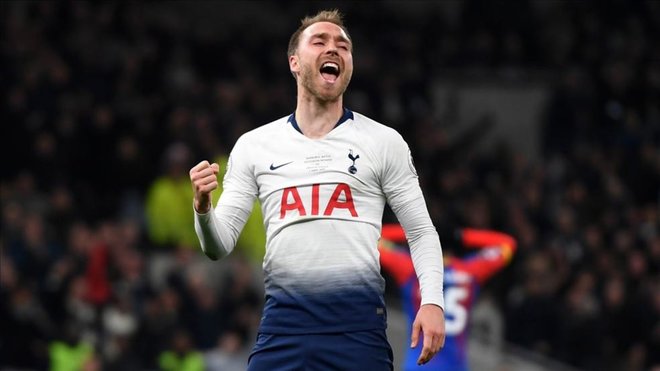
(400, 184)
(495, 252)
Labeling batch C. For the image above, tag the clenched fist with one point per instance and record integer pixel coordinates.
(204, 178)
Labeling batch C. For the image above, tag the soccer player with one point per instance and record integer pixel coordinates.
(463, 278)
(322, 176)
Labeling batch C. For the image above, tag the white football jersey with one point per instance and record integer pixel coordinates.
(323, 202)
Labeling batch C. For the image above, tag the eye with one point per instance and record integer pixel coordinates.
(319, 43)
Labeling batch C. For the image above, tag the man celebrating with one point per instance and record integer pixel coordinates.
(323, 176)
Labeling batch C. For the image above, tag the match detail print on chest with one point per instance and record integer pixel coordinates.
(319, 162)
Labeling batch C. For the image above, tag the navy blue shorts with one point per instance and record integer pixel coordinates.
(360, 350)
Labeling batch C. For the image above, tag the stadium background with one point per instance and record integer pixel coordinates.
(537, 118)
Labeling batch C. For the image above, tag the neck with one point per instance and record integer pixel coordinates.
(317, 118)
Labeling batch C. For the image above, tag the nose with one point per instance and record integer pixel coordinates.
(332, 49)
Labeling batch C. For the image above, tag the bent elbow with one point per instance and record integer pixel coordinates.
(213, 254)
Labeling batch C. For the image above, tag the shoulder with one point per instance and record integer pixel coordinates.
(382, 138)
(375, 129)
(263, 132)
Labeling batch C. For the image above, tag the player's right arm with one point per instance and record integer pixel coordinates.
(204, 179)
(218, 228)
(394, 261)
(393, 232)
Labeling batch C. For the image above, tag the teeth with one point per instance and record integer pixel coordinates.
(330, 64)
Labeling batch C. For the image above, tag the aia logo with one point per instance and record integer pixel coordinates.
(352, 169)
(341, 198)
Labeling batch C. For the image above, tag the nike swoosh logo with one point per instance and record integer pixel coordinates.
(273, 167)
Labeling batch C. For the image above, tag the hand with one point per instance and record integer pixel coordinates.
(204, 178)
(431, 321)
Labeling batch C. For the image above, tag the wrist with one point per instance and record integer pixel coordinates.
(202, 207)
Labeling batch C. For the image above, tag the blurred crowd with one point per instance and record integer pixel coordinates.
(107, 105)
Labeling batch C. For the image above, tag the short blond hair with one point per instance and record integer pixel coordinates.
(332, 16)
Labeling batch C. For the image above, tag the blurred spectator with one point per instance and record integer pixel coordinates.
(169, 216)
(71, 354)
(229, 353)
(160, 319)
(581, 333)
(25, 325)
(533, 314)
(181, 356)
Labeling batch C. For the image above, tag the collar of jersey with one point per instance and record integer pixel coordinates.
(348, 114)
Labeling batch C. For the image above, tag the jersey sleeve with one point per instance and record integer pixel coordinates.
(495, 252)
(219, 228)
(400, 184)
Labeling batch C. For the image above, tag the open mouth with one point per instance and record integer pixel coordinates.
(330, 71)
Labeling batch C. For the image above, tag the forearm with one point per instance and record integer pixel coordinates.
(426, 255)
(425, 248)
(219, 229)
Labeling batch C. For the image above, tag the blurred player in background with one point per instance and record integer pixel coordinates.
(323, 176)
(463, 278)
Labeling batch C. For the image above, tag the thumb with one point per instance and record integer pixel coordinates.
(415, 334)
(215, 167)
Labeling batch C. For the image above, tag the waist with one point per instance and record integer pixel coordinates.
(295, 311)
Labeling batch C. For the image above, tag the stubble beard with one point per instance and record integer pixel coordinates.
(308, 77)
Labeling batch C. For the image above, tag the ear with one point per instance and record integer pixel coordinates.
(294, 66)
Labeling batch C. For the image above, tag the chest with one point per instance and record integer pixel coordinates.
(302, 162)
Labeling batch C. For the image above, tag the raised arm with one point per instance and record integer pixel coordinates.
(495, 251)
(393, 232)
(394, 261)
(218, 228)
